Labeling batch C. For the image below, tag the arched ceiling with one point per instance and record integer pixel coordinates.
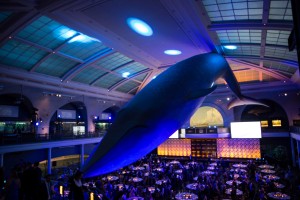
(87, 46)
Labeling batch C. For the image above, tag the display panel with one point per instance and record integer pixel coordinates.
(264, 123)
(276, 123)
(9, 111)
(175, 135)
(66, 114)
(245, 129)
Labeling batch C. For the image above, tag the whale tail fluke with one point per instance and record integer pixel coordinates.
(245, 101)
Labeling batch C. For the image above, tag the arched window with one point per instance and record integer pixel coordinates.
(206, 116)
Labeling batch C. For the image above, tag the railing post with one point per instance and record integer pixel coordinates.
(81, 155)
(49, 160)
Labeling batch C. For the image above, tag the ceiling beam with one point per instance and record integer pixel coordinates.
(16, 22)
(48, 49)
(260, 68)
(265, 17)
(54, 50)
(110, 71)
(279, 60)
(283, 25)
(129, 78)
(92, 59)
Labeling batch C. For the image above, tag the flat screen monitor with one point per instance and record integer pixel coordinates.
(66, 114)
(9, 111)
(245, 129)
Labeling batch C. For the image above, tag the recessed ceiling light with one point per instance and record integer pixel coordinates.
(139, 26)
(230, 47)
(172, 52)
(125, 74)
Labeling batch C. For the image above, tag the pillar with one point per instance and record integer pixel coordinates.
(81, 155)
(1, 159)
(293, 152)
(49, 160)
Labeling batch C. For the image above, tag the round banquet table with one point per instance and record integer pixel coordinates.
(278, 195)
(238, 170)
(192, 186)
(266, 166)
(174, 162)
(159, 182)
(268, 171)
(110, 178)
(271, 177)
(138, 168)
(279, 185)
(239, 166)
(211, 168)
(135, 198)
(231, 181)
(208, 172)
(136, 179)
(179, 171)
(213, 164)
(185, 195)
(121, 186)
(238, 192)
(159, 169)
(192, 163)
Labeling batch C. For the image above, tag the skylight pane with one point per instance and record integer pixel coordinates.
(239, 36)
(276, 37)
(127, 87)
(131, 68)
(46, 32)
(108, 81)
(88, 75)
(280, 10)
(235, 10)
(113, 61)
(16, 54)
(4, 16)
(56, 66)
(82, 50)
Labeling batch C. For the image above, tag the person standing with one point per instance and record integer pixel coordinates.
(76, 188)
(47, 188)
(13, 186)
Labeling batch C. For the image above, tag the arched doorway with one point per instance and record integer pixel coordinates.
(18, 117)
(69, 120)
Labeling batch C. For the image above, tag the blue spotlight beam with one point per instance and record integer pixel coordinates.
(160, 109)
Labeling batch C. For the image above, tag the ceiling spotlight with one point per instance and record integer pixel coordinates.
(125, 74)
(139, 26)
(285, 94)
(228, 98)
(230, 47)
(172, 52)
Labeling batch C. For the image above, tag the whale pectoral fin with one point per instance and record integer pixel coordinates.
(245, 101)
(201, 93)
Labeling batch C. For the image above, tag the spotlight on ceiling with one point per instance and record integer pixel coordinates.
(125, 74)
(230, 47)
(139, 26)
(172, 52)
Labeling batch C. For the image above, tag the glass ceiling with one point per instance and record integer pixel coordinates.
(47, 47)
(271, 44)
(50, 48)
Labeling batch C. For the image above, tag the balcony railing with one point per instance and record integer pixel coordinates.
(9, 139)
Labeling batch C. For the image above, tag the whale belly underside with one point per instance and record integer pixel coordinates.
(139, 140)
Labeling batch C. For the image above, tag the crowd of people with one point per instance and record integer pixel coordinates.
(152, 178)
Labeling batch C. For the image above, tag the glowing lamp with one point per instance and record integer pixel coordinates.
(61, 190)
(230, 47)
(139, 26)
(172, 52)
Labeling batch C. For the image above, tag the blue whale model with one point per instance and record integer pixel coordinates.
(160, 109)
